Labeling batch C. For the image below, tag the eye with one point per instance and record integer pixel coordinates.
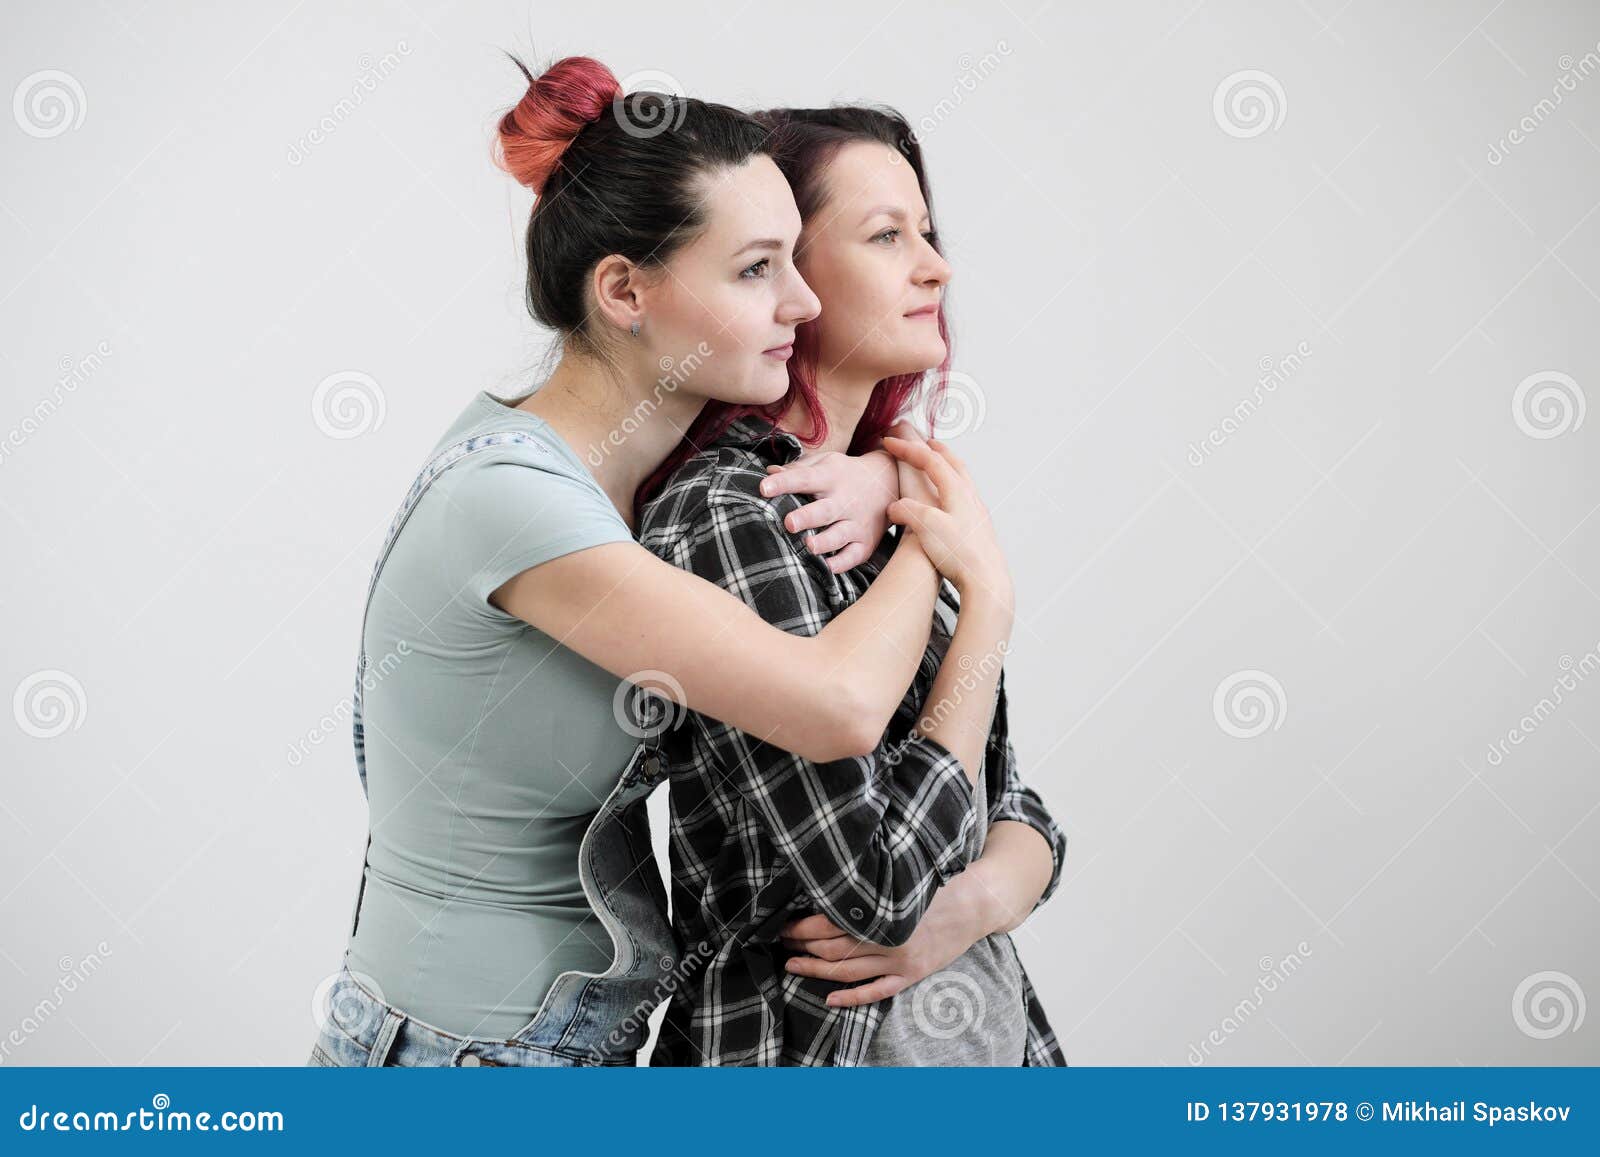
(888, 234)
(758, 270)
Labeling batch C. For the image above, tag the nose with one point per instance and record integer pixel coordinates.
(932, 269)
(799, 303)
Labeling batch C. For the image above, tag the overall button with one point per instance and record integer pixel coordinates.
(471, 1060)
(652, 766)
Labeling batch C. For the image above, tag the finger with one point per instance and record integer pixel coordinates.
(838, 535)
(880, 989)
(814, 514)
(924, 458)
(790, 480)
(813, 927)
(854, 969)
(950, 456)
(852, 556)
(918, 515)
(837, 947)
(774, 467)
(906, 431)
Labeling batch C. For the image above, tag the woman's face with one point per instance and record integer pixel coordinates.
(867, 254)
(725, 307)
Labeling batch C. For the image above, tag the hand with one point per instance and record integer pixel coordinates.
(954, 529)
(957, 918)
(851, 495)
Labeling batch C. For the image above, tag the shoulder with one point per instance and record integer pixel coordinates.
(704, 488)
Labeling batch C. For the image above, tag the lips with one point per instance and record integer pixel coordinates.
(925, 311)
(781, 352)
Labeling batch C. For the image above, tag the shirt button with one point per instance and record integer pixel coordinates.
(856, 913)
(471, 1060)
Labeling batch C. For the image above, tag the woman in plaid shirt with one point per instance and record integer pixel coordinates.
(791, 878)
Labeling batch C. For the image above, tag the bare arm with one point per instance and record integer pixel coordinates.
(824, 697)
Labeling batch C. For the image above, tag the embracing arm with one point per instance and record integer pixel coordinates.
(826, 697)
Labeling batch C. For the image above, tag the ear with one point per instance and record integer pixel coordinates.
(618, 286)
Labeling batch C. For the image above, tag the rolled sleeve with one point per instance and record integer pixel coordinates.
(1016, 800)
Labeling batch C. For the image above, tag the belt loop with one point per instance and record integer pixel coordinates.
(386, 1034)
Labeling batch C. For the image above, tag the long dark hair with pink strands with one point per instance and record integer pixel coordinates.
(804, 142)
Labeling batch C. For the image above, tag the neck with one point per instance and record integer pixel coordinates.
(843, 398)
(620, 423)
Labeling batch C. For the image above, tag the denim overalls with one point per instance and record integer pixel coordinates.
(586, 1018)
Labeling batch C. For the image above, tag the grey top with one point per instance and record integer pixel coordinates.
(490, 747)
(971, 1012)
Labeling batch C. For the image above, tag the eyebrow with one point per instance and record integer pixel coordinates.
(764, 243)
(894, 212)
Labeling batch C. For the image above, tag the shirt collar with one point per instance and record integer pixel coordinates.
(760, 437)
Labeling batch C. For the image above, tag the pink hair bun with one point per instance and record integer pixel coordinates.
(572, 92)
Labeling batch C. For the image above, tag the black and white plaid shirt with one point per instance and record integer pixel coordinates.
(760, 836)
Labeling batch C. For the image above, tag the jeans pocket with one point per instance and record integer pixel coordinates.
(321, 1059)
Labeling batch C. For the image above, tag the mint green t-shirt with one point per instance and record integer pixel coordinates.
(490, 747)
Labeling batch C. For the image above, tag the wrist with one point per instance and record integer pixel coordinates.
(981, 907)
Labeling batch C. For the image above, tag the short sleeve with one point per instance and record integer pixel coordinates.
(500, 517)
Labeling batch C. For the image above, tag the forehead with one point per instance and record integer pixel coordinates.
(748, 202)
(867, 174)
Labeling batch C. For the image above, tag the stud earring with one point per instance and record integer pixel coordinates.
(635, 329)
